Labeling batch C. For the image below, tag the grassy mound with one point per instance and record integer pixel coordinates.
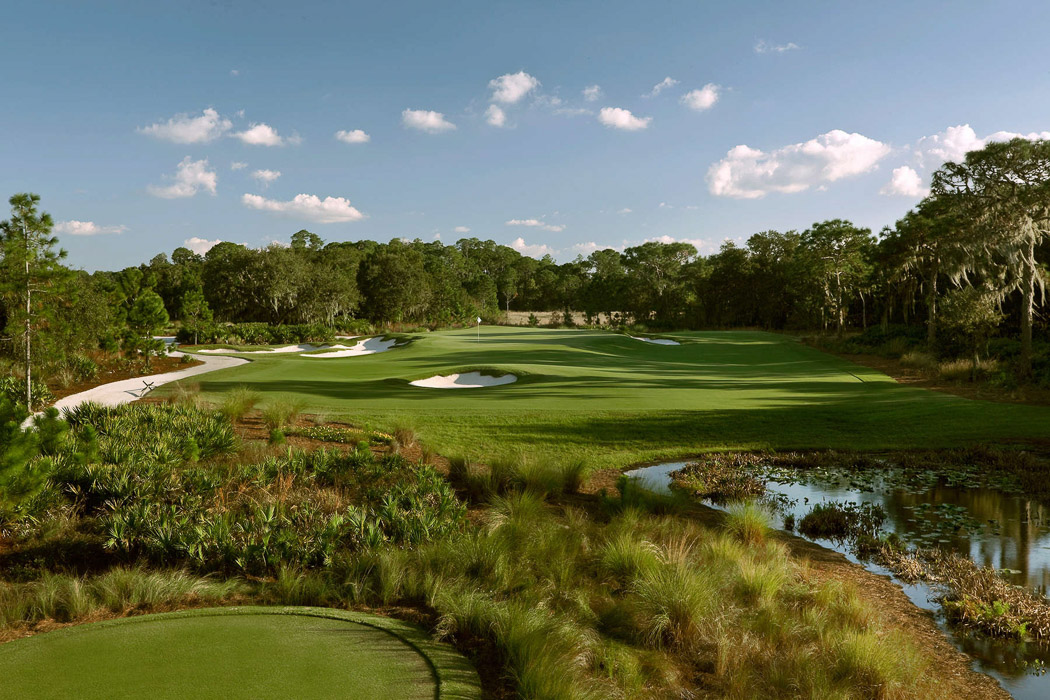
(237, 652)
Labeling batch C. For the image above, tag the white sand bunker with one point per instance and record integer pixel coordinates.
(365, 347)
(466, 380)
(304, 347)
(657, 341)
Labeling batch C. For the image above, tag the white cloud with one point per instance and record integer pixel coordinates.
(592, 93)
(762, 46)
(355, 136)
(182, 128)
(437, 236)
(86, 228)
(265, 177)
(702, 99)
(617, 118)
(495, 116)
(536, 223)
(748, 173)
(235, 72)
(695, 242)
(905, 182)
(424, 120)
(462, 229)
(532, 250)
(263, 135)
(191, 176)
(512, 87)
(330, 210)
(661, 86)
(955, 142)
(200, 246)
(625, 210)
(238, 165)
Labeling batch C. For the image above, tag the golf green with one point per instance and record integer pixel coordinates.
(616, 399)
(236, 653)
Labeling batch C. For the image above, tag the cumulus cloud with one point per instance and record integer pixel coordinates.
(904, 182)
(263, 135)
(238, 165)
(625, 210)
(354, 136)
(702, 99)
(667, 82)
(592, 93)
(183, 128)
(512, 87)
(425, 120)
(748, 173)
(536, 223)
(495, 116)
(532, 250)
(266, 176)
(763, 46)
(695, 242)
(191, 176)
(309, 207)
(462, 229)
(86, 228)
(618, 118)
(200, 246)
(955, 142)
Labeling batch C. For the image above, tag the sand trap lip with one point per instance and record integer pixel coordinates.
(465, 380)
(365, 347)
(656, 341)
(302, 347)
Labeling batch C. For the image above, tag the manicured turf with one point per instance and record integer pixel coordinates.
(619, 400)
(237, 653)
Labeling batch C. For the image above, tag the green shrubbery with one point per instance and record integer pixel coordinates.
(257, 334)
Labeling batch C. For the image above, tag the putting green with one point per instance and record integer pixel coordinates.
(616, 400)
(237, 653)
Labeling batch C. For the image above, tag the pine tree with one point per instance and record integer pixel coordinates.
(30, 274)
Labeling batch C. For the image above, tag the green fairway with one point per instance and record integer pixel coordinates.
(618, 400)
(237, 653)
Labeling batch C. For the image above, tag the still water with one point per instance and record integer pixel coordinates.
(992, 526)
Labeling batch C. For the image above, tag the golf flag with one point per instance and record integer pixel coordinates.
(479, 320)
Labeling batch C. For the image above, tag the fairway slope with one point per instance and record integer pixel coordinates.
(616, 400)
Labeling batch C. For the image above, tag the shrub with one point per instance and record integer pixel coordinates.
(916, 359)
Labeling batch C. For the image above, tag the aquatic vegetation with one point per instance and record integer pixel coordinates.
(721, 478)
(842, 521)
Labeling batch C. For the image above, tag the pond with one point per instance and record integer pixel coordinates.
(986, 520)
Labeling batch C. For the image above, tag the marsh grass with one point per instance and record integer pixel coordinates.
(279, 413)
(237, 402)
(749, 522)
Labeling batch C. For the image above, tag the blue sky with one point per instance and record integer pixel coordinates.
(132, 119)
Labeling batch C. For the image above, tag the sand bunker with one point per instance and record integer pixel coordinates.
(657, 341)
(305, 347)
(466, 380)
(366, 347)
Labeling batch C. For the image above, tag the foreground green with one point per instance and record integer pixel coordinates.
(618, 400)
(223, 653)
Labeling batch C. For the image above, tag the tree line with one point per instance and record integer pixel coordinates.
(967, 263)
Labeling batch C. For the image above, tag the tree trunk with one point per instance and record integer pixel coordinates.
(931, 310)
(1027, 310)
(29, 325)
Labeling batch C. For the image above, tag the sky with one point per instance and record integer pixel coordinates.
(553, 127)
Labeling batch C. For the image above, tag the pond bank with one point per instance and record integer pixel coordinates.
(953, 667)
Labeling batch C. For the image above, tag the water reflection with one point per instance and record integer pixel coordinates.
(1005, 531)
